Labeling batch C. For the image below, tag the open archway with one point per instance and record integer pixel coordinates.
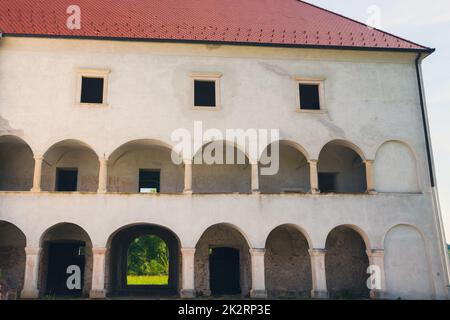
(346, 264)
(16, 164)
(287, 264)
(341, 168)
(12, 258)
(222, 262)
(66, 261)
(144, 259)
(70, 166)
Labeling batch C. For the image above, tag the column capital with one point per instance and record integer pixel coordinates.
(375, 253)
(103, 159)
(257, 251)
(32, 250)
(317, 252)
(38, 157)
(369, 161)
(99, 250)
(313, 161)
(187, 161)
(188, 251)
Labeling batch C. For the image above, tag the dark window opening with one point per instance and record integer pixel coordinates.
(149, 181)
(327, 182)
(309, 96)
(205, 93)
(92, 90)
(66, 179)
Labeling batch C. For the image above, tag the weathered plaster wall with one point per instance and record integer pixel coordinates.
(16, 167)
(12, 256)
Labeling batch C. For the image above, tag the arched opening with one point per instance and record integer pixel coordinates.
(148, 262)
(287, 264)
(346, 264)
(144, 166)
(341, 169)
(395, 168)
(144, 260)
(16, 164)
(292, 174)
(70, 166)
(407, 269)
(12, 260)
(222, 262)
(66, 261)
(220, 167)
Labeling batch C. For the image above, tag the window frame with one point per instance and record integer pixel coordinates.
(211, 77)
(320, 82)
(92, 73)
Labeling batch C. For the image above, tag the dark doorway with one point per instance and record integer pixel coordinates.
(149, 181)
(224, 271)
(66, 179)
(60, 257)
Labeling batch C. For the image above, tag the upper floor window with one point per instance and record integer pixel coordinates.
(92, 87)
(310, 94)
(206, 90)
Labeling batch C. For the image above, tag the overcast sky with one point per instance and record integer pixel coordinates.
(427, 23)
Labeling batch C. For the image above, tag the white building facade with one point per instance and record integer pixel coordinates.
(367, 140)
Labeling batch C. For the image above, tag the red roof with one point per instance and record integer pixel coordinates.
(267, 22)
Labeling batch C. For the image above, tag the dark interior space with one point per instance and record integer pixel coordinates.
(66, 179)
(309, 96)
(327, 182)
(92, 90)
(149, 180)
(224, 271)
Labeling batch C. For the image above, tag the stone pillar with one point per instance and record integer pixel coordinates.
(255, 177)
(313, 176)
(319, 278)
(369, 176)
(376, 258)
(98, 274)
(258, 290)
(30, 285)
(187, 177)
(187, 276)
(103, 176)
(37, 173)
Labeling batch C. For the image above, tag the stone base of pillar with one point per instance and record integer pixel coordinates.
(315, 191)
(35, 190)
(258, 294)
(256, 192)
(319, 294)
(29, 294)
(377, 295)
(187, 293)
(97, 294)
(187, 192)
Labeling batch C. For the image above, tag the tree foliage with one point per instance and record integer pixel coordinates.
(148, 256)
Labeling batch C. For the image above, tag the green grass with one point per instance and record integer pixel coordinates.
(147, 280)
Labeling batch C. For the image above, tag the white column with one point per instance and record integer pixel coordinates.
(103, 176)
(319, 278)
(37, 173)
(258, 290)
(369, 176)
(30, 285)
(188, 177)
(187, 276)
(98, 274)
(255, 177)
(376, 258)
(313, 176)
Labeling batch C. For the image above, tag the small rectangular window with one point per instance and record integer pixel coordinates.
(149, 181)
(66, 179)
(204, 93)
(327, 182)
(92, 90)
(309, 96)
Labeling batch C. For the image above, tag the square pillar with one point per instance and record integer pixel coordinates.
(37, 173)
(369, 176)
(313, 177)
(187, 276)
(187, 177)
(258, 290)
(255, 177)
(103, 176)
(98, 274)
(319, 277)
(377, 279)
(30, 285)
